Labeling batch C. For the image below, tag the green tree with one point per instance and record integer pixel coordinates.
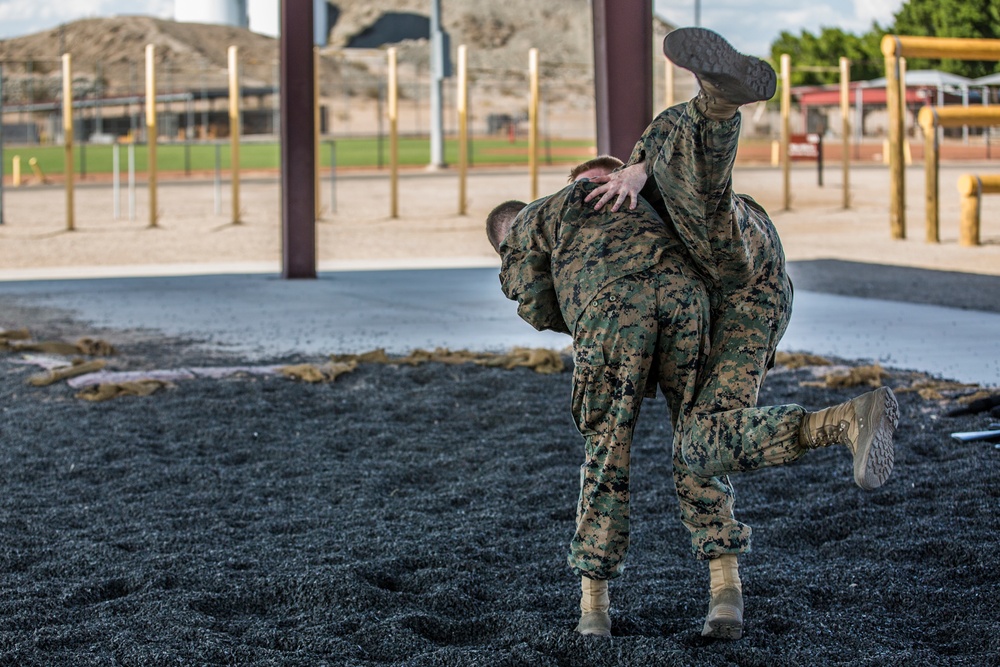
(919, 18)
(950, 18)
(815, 59)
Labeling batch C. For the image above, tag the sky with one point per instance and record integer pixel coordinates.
(750, 25)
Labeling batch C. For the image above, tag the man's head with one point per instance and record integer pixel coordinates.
(500, 219)
(602, 165)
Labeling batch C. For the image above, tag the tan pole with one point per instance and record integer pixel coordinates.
(463, 130)
(927, 119)
(234, 128)
(316, 131)
(668, 68)
(959, 48)
(970, 188)
(897, 188)
(786, 130)
(151, 130)
(67, 72)
(845, 125)
(533, 121)
(393, 137)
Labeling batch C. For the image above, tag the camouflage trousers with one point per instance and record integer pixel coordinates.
(652, 319)
(724, 432)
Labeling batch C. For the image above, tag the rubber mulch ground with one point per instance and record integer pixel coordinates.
(420, 516)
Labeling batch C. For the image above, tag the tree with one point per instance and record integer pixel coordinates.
(924, 18)
(815, 59)
(950, 18)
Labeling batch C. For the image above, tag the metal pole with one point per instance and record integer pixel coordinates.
(1, 144)
(393, 137)
(67, 68)
(131, 181)
(533, 121)
(333, 177)
(316, 132)
(151, 129)
(297, 146)
(463, 131)
(234, 129)
(786, 112)
(845, 125)
(437, 76)
(218, 179)
(116, 189)
(623, 70)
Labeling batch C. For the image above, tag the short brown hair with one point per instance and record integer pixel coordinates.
(499, 220)
(608, 162)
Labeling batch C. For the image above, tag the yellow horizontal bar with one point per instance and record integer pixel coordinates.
(970, 184)
(957, 116)
(959, 48)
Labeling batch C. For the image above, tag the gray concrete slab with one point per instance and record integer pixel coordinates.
(261, 316)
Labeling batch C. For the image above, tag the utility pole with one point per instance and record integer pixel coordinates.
(437, 76)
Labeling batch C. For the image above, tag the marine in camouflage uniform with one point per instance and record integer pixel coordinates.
(622, 285)
(689, 151)
(736, 250)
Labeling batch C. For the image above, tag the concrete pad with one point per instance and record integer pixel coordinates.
(260, 316)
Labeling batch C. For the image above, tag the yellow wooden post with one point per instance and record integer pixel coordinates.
(668, 83)
(463, 129)
(533, 121)
(151, 129)
(927, 119)
(393, 137)
(845, 127)
(897, 188)
(234, 128)
(786, 113)
(67, 72)
(971, 189)
(316, 131)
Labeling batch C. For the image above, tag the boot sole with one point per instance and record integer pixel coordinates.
(874, 461)
(711, 58)
(723, 628)
(725, 616)
(595, 624)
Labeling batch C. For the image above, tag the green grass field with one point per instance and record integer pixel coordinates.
(366, 152)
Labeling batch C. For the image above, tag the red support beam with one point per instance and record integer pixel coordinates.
(298, 151)
(623, 73)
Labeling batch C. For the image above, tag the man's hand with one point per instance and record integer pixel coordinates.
(619, 185)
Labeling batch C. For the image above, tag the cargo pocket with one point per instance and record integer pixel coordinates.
(590, 390)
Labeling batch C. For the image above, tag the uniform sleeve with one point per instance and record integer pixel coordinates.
(526, 272)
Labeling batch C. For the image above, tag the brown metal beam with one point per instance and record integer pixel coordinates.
(623, 73)
(298, 148)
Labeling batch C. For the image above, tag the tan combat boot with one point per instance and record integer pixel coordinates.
(728, 78)
(594, 606)
(725, 610)
(865, 425)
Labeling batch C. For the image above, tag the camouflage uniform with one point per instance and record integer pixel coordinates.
(621, 284)
(736, 250)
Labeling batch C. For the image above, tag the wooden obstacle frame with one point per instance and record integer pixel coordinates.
(895, 48)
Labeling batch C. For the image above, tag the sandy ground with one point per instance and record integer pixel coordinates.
(356, 229)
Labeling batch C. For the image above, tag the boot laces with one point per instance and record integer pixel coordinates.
(832, 434)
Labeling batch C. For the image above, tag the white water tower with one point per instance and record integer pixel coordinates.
(219, 12)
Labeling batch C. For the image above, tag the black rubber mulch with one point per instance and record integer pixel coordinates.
(420, 516)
